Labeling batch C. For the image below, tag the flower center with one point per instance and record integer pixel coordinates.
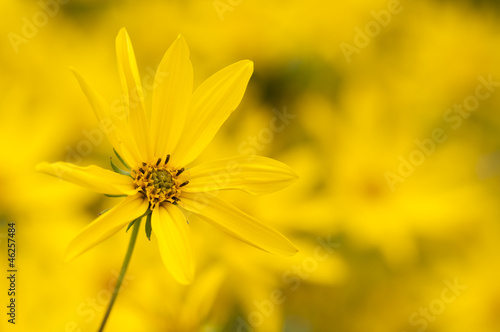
(158, 183)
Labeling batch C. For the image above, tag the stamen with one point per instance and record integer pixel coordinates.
(158, 183)
(179, 171)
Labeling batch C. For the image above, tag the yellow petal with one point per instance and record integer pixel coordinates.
(106, 225)
(132, 92)
(253, 174)
(174, 241)
(112, 123)
(211, 104)
(171, 96)
(92, 177)
(236, 223)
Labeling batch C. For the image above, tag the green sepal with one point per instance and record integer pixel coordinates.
(104, 211)
(117, 169)
(147, 213)
(121, 160)
(130, 225)
(114, 196)
(148, 226)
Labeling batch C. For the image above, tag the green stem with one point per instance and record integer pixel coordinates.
(130, 249)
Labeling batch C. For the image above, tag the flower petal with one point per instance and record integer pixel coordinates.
(132, 92)
(171, 96)
(236, 223)
(174, 241)
(92, 177)
(106, 225)
(253, 174)
(114, 122)
(211, 104)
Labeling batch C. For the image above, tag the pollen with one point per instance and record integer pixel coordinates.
(157, 182)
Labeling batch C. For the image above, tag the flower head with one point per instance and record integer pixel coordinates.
(159, 145)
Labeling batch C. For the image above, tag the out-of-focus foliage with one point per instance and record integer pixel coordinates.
(382, 107)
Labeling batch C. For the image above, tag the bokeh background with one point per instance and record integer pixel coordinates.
(391, 124)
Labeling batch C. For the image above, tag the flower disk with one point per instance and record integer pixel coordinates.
(158, 183)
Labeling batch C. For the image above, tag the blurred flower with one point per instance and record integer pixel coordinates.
(158, 143)
(262, 287)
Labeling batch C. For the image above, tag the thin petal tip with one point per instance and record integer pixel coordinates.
(182, 277)
(122, 38)
(43, 167)
(39, 167)
(180, 42)
(287, 248)
(289, 171)
(294, 175)
(294, 250)
(247, 64)
(122, 31)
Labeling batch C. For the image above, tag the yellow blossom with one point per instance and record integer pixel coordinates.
(159, 144)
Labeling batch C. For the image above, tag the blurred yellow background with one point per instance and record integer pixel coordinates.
(388, 111)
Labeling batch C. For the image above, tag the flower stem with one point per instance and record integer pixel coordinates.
(130, 249)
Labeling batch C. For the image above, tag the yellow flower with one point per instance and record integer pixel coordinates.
(159, 143)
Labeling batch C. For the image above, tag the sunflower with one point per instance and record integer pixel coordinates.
(157, 146)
